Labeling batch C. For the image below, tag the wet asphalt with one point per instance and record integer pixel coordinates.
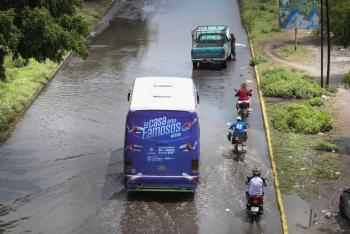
(61, 168)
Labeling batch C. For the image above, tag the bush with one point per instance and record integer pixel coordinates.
(262, 7)
(20, 62)
(301, 118)
(317, 101)
(346, 80)
(248, 19)
(281, 82)
(257, 60)
(326, 146)
(332, 88)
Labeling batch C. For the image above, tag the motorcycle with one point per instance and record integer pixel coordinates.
(243, 108)
(254, 206)
(238, 140)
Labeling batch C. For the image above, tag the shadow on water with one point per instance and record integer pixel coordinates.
(113, 188)
(150, 212)
(145, 212)
(161, 197)
(210, 66)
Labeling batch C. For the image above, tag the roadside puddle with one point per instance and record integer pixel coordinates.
(298, 213)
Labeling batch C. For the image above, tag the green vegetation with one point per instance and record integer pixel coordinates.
(317, 101)
(41, 30)
(301, 118)
(346, 80)
(92, 10)
(326, 146)
(257, 60)
(259, 18)
(300, 164)
(20, 86)
(302, 54)
(282, 82)
(302, 159)
(24, 77)
(332, 88)
(340, 21)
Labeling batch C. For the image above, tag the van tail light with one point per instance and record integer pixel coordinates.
(127, 165)
(195, 165)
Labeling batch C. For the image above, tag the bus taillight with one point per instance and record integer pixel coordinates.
(127, 165)
(195, 165)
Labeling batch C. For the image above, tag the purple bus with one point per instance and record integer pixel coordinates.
(161, 148)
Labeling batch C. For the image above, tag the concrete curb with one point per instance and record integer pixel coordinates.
(269, 145)
(103, 14)
(5, 134)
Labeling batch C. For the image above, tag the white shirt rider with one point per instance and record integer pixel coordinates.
(256, 186)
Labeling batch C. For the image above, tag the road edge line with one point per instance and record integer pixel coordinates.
(269, 145)
(5, 134)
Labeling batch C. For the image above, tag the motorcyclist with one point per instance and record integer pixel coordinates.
(243, 96)
(256, 184)
(237, 129)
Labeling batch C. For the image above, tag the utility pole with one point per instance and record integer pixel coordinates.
(295, 38)
(322, 43)
(328, 44)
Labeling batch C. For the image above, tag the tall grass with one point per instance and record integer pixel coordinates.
(284, 83)
(20, 85)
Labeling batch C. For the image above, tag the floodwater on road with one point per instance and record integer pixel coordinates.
(61, 168)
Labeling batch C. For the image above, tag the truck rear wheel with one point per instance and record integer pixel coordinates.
(195, 65)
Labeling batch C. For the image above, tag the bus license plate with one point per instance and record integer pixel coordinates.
(254, 209)
(161, 167)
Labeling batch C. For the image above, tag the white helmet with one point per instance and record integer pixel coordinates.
(238, 118)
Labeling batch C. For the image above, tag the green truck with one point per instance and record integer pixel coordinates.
(212, 44)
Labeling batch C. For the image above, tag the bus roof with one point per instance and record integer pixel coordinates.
(163, 93)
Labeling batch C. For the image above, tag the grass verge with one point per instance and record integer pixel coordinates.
(24, 81)
(302, 53)
(21, 84)
(300, 162)
(346, 80)
(92, 10)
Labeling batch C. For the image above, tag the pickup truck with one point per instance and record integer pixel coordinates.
(212, 44)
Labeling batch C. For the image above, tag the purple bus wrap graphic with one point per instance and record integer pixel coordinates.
(160, 149)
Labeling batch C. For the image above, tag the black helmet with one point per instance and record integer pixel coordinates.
(256, 172)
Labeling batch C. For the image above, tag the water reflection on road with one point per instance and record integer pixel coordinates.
(61, 170)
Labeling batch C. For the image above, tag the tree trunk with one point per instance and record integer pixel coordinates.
(2, 67)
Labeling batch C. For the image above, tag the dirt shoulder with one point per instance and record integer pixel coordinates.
(325, 200)
(340, 57)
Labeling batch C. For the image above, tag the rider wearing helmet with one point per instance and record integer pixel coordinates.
(239, 125)
(256, 183)
(243, 96)
(238, 129)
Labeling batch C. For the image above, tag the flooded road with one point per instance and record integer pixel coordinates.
(61, 168)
